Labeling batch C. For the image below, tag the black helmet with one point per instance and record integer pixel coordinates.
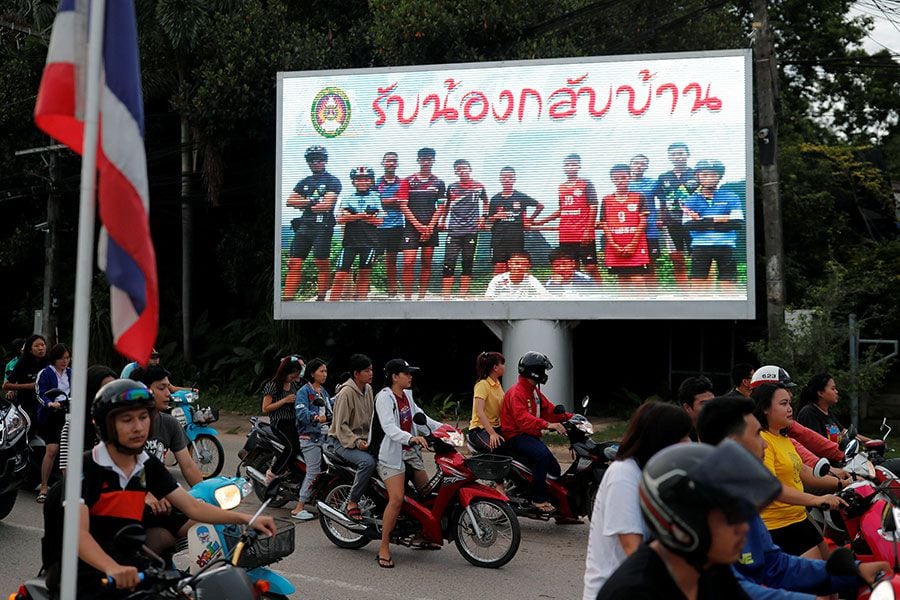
(710, 165)
(535, 365)
(772, 374)
(114, 397)
(362, 173)
(316, 152)
(681, 484)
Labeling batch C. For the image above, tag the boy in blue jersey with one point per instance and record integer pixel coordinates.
(361, 214)
(646, 186)
(391, 228)
(466, 201)
(712, 216)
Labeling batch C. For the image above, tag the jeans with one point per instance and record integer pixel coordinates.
(365, 466)
(312, 456)
(542, 462)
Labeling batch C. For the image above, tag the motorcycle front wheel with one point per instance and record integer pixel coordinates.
(499, 535)
(208, 453)
(339, 535)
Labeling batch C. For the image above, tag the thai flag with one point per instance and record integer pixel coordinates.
(125, 251)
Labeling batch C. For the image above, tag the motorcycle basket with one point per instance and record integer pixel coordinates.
(265, 550)
(491, 467)
(207, 415)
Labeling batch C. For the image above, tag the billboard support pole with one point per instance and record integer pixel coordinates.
(553, 338)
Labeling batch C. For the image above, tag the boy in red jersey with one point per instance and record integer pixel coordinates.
(623, 218)
(423, 192)
(577, 214)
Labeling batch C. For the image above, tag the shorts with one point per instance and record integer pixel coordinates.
(171, 522)
(703, 256)
(503, 246)
(51, 429)
(460, 245)
(681, 237)
(412, 241)
(312, 237)
(348, 256)
(626, 271)
(584, 253)
(653, 247)
(391, 239)
(412, 459)
(797, 538)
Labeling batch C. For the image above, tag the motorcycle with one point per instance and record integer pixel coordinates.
(453, 506)
(206, 542)
(267, 449)
(222, 576)
(841, 562)
(203, 440)
(15, 454)
(572, 493)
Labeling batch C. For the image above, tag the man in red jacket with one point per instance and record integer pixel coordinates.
(524, 414)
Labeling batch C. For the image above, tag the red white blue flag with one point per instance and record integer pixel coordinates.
(126, 251)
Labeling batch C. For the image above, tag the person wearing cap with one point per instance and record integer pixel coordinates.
(423, 191)
(786, 518)
(166, 434)
(764, 570)
(127, 369)
(316, 196)
(396, 440)
(697, 501)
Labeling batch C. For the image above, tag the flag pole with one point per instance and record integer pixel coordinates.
(82, 318)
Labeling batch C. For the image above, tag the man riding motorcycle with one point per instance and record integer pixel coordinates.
(525, 413)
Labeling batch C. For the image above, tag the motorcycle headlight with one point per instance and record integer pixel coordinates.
(14, 422)
(883, 591)
(228, 496)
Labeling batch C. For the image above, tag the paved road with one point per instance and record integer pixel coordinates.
(549, 564)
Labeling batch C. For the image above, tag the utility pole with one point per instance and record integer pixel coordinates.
(50, 302)
(187, 235)
(766, 73)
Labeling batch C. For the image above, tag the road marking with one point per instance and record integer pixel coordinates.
(25, 527)
(345, 585)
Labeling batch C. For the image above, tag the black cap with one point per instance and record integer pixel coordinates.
(398, 365)
(426, 153)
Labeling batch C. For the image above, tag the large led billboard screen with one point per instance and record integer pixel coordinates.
(612, 187)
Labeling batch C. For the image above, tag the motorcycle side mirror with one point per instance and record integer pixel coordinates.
(130, 539)
(559, 409)
(420, 419)
(585, 401)
(822, 468)
(54, 394)
(841, 563)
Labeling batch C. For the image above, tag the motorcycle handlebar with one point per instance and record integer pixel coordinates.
(110, 583)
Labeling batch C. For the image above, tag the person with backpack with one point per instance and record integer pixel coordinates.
(117, 475)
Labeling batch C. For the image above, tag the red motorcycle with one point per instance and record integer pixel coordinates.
(573, 492)
(453, 506)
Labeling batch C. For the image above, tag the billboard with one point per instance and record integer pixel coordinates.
(591, 188)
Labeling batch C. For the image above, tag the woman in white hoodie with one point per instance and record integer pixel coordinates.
(394, 437)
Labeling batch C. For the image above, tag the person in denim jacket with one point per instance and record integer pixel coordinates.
(314, 411)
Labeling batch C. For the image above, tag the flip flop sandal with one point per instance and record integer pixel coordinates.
(355, 514)
(543, 507)
(41, 498)
(385, 563)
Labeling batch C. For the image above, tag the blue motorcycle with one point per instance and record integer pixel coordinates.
(203, 441)
(207, 542)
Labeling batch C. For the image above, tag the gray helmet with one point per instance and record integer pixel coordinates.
(681, 484)
(535, 365)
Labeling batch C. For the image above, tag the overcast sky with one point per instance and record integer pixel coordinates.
(887, 24)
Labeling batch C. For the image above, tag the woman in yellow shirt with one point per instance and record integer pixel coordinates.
(786, 518)
(484, 428)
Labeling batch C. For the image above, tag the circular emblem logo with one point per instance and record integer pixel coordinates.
(331, 112)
